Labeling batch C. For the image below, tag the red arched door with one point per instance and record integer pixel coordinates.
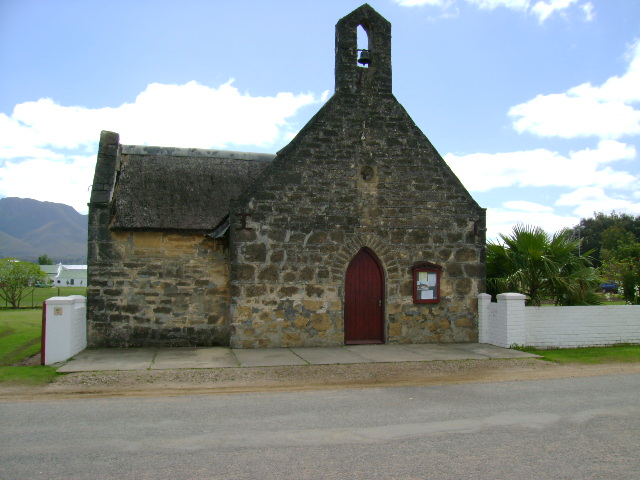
(363, 302)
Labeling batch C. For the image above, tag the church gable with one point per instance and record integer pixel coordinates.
(362, 138)
(359, 175)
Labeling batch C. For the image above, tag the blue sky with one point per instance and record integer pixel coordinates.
(535, 104)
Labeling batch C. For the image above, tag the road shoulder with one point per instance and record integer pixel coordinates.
(152, 383)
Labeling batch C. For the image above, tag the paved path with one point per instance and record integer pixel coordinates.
(223, 357)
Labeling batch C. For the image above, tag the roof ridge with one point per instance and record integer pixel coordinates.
(195, 152)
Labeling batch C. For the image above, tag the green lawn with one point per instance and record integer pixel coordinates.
(590, 355)
(39, 295)
(20, 333)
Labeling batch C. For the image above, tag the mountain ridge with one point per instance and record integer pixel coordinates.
(30, 228)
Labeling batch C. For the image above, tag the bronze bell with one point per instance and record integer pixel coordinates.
(365, 57)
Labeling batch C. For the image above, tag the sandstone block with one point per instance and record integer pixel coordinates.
(313, 305)
(269, 273)
(320, 322)
(255, 252)
(301, 322)
(464, 322)
(291, 339)
(151, 240)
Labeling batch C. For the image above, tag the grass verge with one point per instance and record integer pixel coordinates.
(590, 355)
(20, 333)
(34, 376)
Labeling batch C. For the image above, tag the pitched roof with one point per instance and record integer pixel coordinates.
(49, 269)
(68, 274)
(180, 188)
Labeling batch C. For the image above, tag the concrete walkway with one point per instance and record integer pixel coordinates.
(223, 357)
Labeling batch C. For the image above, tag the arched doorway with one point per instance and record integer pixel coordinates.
(364, 300)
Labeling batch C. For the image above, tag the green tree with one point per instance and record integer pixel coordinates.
(591, 231)
(621, 261)
(541, 266)
(44, 260)
(17, 280)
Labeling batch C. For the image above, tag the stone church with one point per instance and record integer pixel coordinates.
(356, 232)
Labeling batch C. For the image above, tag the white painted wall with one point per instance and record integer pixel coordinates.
(582, 326)
(65, 328)
(69, 282)
(509, 322)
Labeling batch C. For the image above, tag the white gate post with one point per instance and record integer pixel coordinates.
(484, 318)
(65, 328)
(511, 315)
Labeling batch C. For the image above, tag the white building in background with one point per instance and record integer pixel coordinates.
(51, 270)
(66, 275)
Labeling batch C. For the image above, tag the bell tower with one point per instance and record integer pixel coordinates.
(351, 76)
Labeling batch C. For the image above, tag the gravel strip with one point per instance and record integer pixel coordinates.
(312, 374)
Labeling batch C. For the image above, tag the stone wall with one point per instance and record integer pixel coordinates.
(160, 289)
(324, 200)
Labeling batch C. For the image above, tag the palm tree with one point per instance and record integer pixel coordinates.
(541, 266)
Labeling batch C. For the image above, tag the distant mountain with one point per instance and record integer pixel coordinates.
(30, 228)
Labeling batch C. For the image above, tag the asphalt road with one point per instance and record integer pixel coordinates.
(575, 428)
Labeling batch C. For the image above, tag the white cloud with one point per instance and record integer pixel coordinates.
(572, 115)
(617, 89)
(502, 220)
(544, 9)
(17, 141)
(491, 4)
(419, 3)
(41, 179)
(189, 115)
(588, 10)
(605, 111)
(202, 117)
(586, 201)
(53, 146)
(593, 199)
(481, 172)
(541, 9)
(482, 4)
(529, 207)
